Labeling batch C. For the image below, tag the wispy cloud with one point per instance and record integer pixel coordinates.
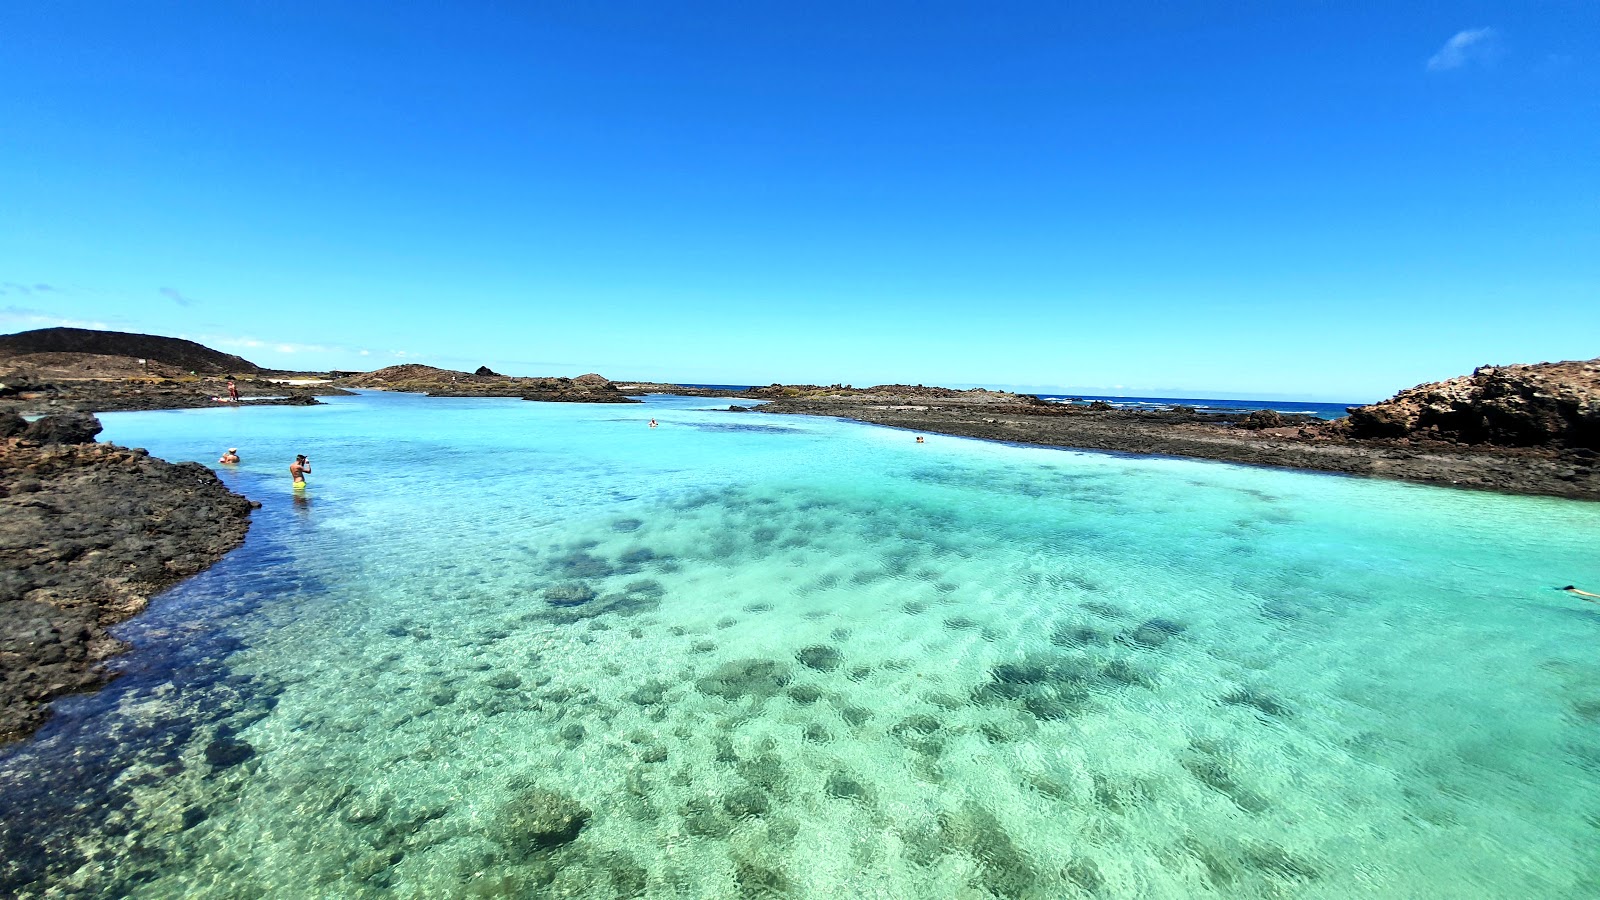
(235, 342)
(26, 290)
(1464, 47)
(177, 297)
(18, 316)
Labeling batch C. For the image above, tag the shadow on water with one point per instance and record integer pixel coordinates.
(175, 703)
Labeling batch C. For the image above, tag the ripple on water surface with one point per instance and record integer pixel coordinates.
(525, 649)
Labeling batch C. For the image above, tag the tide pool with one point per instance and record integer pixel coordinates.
(764, 656)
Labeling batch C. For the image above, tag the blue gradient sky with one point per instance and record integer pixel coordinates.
(1327, 201)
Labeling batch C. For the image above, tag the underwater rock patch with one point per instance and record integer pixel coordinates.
(226, 752)
(504, 681)
(570, 594)
(579, 564)
(636, 557)
(1259, 701)
(855, 715)
(821, 657)
(843, 786)
(537, 819)
(742, 679)
(1078, 636)
(1154, 633)
(1003, 868)
(1215, 774)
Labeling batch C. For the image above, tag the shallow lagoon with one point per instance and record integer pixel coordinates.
(779, 656)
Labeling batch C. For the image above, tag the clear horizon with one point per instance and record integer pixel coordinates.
(1222, 201)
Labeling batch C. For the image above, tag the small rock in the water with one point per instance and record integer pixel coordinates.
(505, 681)
(821, 657)
(572, 594)
(539, 819)
(844, 787)
(225, 752)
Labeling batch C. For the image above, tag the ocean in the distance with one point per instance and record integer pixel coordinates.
(802, 657)
(1200, 405)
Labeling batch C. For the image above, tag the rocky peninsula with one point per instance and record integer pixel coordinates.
(58, 370)
(1525, 429)
(88, 532)
(484, 382)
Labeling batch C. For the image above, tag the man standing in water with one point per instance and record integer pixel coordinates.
(299, 469)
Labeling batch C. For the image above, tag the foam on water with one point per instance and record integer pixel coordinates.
(778, 656)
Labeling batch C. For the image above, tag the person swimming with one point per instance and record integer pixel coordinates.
(652, 423)
(231, 458)
(1573, 590)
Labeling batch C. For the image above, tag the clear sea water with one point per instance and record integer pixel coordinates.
(823, 661)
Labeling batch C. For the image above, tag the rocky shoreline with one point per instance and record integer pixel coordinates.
(31, 396)
(1510, 429)
(88, 532)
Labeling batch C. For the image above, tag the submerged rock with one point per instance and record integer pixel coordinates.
(821, 657)
(754, 679)
(538, 819)
(570, 594)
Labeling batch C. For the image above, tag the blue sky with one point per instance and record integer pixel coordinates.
(1319, 200)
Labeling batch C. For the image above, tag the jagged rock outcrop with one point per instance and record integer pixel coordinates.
(88, 532)
(1544, 404)
(486, 372)
(71, 428)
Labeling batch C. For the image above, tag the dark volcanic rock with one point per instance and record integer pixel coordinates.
(87, 533)
(1548, 404)
(486, 372)
(176, 352)
(72, 428)
(437, 382)
(12, 424)
(1262, 418)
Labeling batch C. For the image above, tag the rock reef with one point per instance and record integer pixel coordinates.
(88, 532)
(1512, 429)
(436, 382)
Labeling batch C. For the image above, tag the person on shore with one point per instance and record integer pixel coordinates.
(1592, 598)
(299, 469)
(233, 391)
(652, 423)
(231, 458)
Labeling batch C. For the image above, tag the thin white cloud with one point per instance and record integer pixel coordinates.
(14, 316)
(250, 343)
(1464, 47)
(176, 297)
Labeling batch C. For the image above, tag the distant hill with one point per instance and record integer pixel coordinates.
(175, 352)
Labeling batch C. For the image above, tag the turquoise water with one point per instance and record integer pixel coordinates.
(797, 657)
